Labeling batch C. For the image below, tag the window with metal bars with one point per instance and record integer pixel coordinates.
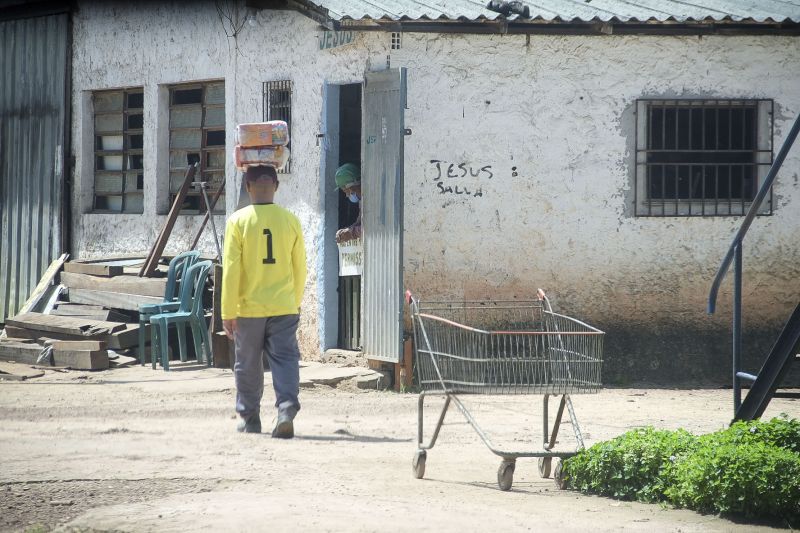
(118, 151)
(701, 157)
(197, 135)
(278, 106)
(396, 41)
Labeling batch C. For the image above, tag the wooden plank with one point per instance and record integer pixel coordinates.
(223, 350)
(106, 267)
(95, 269)
(106, 315)
(161, 242)
(64, 324)
(18, 372)
(34, 335)
(52, 297)
(45, 281)
(81, 359)
(95, 312)
(92, 346)
(20, 353)
(128, 302)
(22, 340)
(128, 337)
(120, 284)
(77, 309)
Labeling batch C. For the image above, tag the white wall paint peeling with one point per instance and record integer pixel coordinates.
(553, 121)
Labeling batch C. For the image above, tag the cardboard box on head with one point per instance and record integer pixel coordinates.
(258, 134)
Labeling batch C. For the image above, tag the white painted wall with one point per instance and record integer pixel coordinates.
(553, 118)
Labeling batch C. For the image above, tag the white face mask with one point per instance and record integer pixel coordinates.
(353, 197)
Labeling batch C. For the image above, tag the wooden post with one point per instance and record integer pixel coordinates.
(158, 247)
(221, 347)
(209, 209)
(404, 371)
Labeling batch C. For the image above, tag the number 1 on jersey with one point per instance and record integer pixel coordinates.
(269, 260)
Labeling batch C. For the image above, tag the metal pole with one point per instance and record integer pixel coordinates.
(737, 328)
(203, 186)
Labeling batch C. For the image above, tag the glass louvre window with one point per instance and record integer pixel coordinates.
(701, 157)
(197, 135)
(278, 106)
(118, 154)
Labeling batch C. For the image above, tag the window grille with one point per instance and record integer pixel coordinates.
(701, 157)
(118, 151)
(278, 106)
(197, 135)
(396, 40)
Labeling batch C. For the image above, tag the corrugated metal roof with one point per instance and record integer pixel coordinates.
(569, 10)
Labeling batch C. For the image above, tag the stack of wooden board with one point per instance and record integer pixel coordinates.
(99, 285)
(35, 338)
(95, 304)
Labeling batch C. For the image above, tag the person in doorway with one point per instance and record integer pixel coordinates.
(263, 279)
(348, 179)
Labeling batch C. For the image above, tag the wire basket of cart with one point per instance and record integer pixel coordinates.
(504, 347)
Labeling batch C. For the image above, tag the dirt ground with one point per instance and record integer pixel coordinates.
(132, 449)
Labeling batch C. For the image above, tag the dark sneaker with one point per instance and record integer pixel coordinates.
(284, 427)
(251, 424)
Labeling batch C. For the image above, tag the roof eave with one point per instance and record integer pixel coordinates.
(503, 26)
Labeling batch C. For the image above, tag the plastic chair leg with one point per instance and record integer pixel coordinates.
(206, 343)
(196, 341)
(181, 329)
(163, 349)
(154, 340)
(144, 319)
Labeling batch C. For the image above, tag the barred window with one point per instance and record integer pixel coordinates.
(118, 151)
(701, 157)
(278, 106)
(197, 135)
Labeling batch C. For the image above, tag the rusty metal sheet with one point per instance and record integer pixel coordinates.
(33, 136)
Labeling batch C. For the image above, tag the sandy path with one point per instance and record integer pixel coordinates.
(136, 450)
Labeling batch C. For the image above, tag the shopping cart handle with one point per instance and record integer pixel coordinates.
(408, 297)
(540, 294)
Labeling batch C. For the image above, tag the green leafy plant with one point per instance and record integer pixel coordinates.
(750, 469)
(633, 466)
(753, 480)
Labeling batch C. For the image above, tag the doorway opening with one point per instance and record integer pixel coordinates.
(349, 287)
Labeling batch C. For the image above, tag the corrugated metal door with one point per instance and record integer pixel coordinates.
(382, 216)
(33, 119)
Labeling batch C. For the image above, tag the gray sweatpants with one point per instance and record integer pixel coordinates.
(277, 335)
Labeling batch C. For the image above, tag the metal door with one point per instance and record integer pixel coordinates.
(382, 215)
(34, 114)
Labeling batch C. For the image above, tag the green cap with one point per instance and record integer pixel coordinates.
(347, 174)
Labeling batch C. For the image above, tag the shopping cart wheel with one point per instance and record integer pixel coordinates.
(505, 475)
(558, 476)
(419, 463)
(544, 466)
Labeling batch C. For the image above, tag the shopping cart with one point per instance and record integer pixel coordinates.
(504, 347)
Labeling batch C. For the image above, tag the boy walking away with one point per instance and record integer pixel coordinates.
(263, 279)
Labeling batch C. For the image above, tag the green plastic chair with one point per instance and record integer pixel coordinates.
(190, 312)
(179, 264)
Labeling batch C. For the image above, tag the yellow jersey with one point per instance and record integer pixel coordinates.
(264, 263)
